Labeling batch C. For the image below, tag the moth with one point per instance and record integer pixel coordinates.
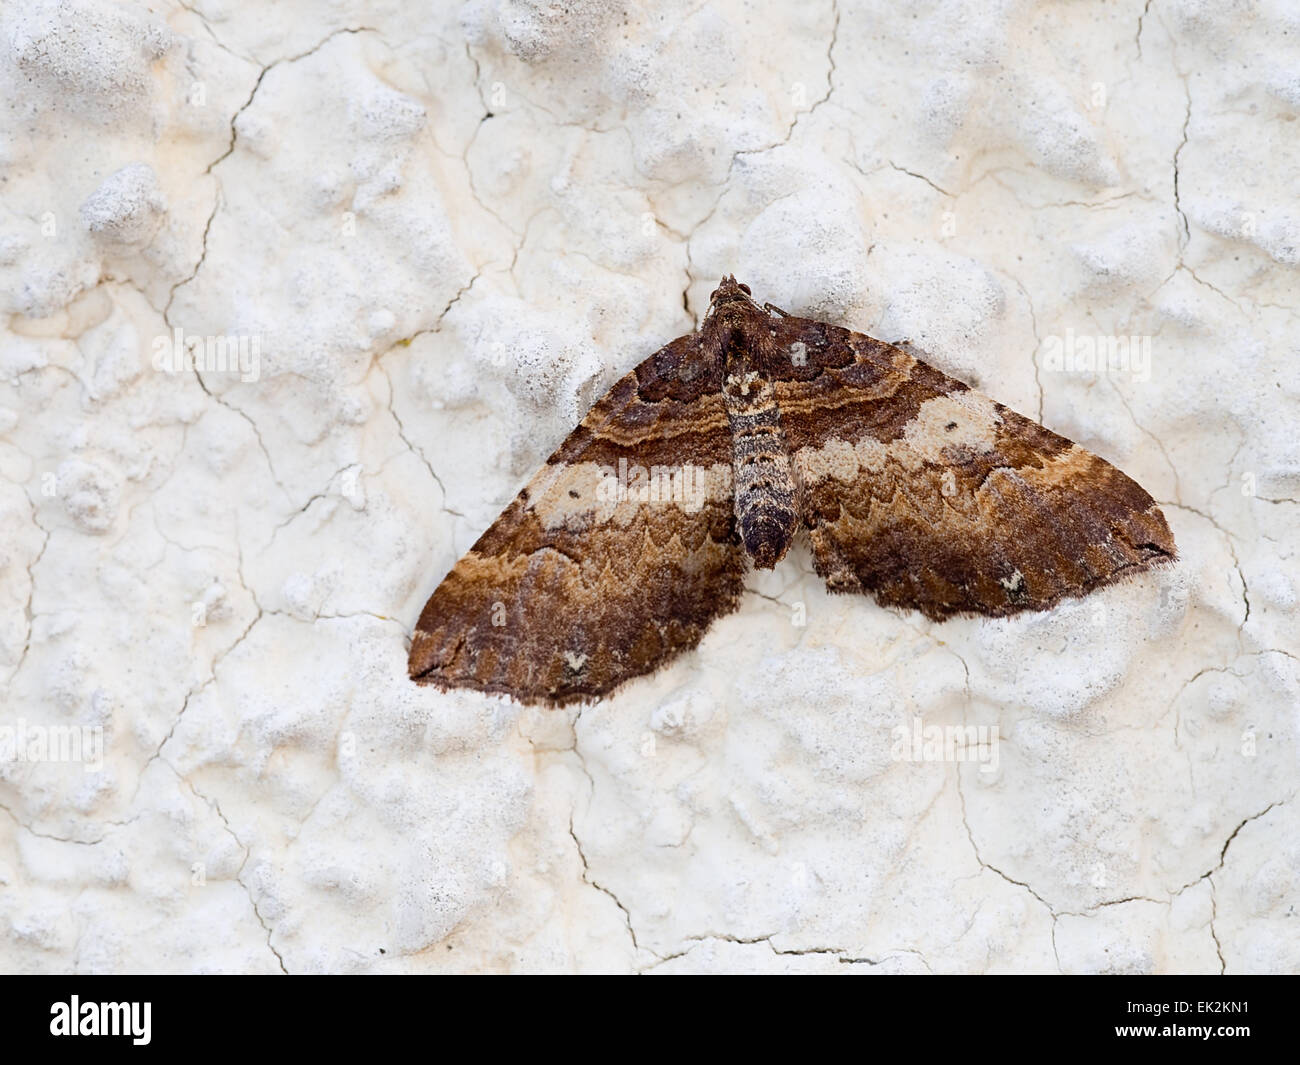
(723, 446)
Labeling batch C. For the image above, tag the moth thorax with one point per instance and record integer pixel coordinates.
(733, 342)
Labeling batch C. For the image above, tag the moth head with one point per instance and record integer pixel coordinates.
(729, 290)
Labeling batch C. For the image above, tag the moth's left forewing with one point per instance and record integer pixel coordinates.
(932, 496)
(614, 558)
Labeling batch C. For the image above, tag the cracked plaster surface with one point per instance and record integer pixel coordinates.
(450, 230)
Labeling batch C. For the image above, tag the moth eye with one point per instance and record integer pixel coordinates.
(745, 289)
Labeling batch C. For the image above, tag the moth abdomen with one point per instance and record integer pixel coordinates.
(763, 482)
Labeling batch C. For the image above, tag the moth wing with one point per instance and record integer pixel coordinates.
(578, 586)
(929, 495)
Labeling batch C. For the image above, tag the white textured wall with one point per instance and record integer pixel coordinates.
(450, 230)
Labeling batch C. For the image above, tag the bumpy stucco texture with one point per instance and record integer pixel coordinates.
(441, 231)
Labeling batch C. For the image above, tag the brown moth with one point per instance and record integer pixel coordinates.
(716, 451)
